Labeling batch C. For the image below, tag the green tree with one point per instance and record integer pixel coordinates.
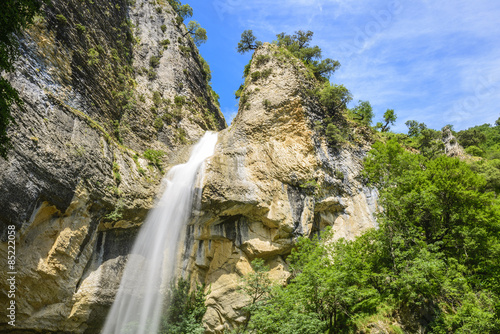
(471, 137)
(389, 119)
(15, 16)
(184, 309)
(298, 45)
(248, 42)
(334, 97)
(363, 113)
(198, 33)
(328, 285)
(257, 285)
(184, 11)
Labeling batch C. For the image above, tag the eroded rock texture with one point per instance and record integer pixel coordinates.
(272, 179)
(102, 82)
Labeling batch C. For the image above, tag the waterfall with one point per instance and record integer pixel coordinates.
(138, 303)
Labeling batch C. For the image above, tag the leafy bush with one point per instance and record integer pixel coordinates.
(154, 61)
(154, 157)
(179, 100)
(163, 28)
(80, 28)
(475, 151)
(184, 309)
(165, 43)
(157, 100)
(61, 18)
(334, 97)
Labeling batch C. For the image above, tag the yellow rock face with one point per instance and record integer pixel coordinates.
(271, 180)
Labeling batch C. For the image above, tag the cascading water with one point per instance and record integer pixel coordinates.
(138, 303)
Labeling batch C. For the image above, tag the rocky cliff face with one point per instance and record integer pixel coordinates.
(273, 178)
(102, 82)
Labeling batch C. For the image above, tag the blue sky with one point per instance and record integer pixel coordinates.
(437, 62)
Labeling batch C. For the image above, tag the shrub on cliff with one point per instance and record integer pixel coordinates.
(15, 16)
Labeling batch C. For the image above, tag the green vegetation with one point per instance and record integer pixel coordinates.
(184, 309)
(61, 18)
(435, 255)
(165, 43)
(362, 113)
(248, 42)
(486, 137)
(154, 61)
(81, 28)
(154, 157)
(15, 16)
(198, 33)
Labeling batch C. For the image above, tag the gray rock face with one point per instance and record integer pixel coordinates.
(76, 184)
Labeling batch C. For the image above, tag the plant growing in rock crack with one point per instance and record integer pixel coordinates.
(154, 157)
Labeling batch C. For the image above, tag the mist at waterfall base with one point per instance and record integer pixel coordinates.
(138, 304)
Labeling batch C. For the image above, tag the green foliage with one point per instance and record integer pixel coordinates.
(184, 309)
(163, 28)
(389, 119)
(93, 56)
(298, 45)
(116, 173)
(427, 141)
(474, 150)
(248, 42)
(334, 97)
(486, 137)
(179, 100)
(15, 16)
(116, 131)
(362, 113)
(198, 33)
(165, 43)
(154, 157)
(261, 59)
(80, 28)
(62, 19)
(439, 237)
(329, 284)
(154, 61)
(334, 135)
(184, 11)
(157, 100)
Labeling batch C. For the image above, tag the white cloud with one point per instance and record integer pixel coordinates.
(426, 59)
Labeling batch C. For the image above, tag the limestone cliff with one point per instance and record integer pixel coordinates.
(273, 178)
(102, 82)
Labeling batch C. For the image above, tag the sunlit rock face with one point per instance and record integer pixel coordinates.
(271, 180)
(76, 184)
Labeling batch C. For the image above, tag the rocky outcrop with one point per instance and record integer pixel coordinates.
(451, 146)
(272, 179)
(102, 82)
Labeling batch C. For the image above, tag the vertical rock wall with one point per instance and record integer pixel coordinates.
(101, 85)
(272, 179)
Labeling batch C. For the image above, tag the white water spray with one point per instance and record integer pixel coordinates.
(138, 303)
